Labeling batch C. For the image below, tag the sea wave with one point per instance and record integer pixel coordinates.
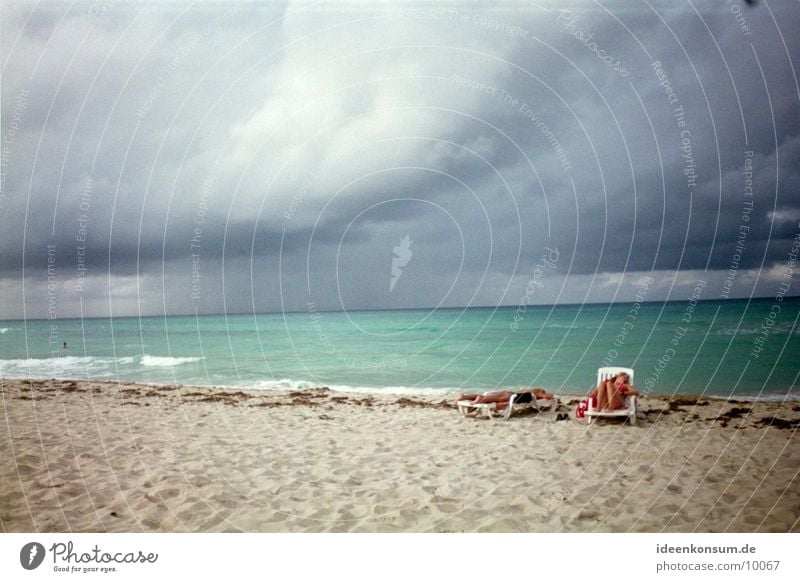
(775, 329)
(63, 367)
(167, 361)
(290, 384)
(283, 384)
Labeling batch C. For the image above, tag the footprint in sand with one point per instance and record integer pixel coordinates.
(589, 515)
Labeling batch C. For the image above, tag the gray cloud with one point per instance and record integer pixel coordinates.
(298, 145)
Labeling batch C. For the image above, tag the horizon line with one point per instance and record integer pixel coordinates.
(368, 310)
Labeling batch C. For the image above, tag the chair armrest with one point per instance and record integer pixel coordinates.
(507, 413)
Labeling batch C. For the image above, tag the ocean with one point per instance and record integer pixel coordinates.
(745, 349)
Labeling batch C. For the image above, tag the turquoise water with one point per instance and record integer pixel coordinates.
(721, 348)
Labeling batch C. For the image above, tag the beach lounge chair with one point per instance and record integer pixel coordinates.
(489, 409)
(629, 411)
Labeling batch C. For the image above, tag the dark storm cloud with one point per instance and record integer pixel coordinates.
(316, 140)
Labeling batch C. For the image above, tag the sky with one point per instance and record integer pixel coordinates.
(208, 157)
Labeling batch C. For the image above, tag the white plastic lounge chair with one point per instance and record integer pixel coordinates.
(489, 409)
(629, 411)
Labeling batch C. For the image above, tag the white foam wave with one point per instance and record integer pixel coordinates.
(289, 384)
(167, 361)
(775, 329)
(567, 326)
(283, 384)
(57, 367)
(401, 390)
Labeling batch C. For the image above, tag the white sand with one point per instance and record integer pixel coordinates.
(93, 456)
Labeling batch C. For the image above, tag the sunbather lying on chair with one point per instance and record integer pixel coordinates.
(611, 393)
(502, 398)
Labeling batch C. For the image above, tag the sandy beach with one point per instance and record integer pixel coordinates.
(119, 457)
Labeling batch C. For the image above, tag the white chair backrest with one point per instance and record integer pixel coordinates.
(606, 373)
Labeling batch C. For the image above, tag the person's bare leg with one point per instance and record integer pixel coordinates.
(493, 397)
(465, 397)
(602, 395)
(612, 396)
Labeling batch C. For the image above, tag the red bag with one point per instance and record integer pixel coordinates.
(583, 406)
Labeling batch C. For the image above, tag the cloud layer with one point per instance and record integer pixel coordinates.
(232, 157)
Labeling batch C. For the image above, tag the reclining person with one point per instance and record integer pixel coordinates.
(611, 393)
(502, 398)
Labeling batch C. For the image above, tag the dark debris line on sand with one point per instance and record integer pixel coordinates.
(314, 397)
